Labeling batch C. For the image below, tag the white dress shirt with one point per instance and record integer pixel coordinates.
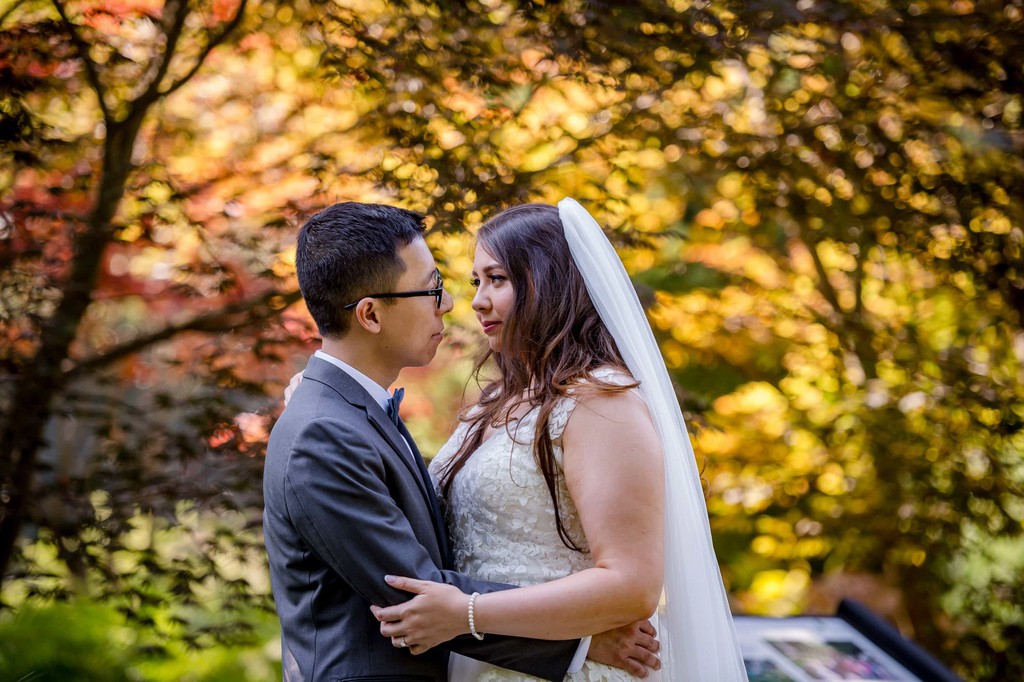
(376, 391)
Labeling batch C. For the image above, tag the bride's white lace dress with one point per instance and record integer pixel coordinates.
(502, 522)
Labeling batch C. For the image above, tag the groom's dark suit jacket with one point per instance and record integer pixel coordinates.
(346, 503)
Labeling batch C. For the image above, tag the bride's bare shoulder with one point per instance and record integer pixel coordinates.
(599, 405)
(610, 423)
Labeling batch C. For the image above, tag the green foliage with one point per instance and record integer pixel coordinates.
(193, 580)
(987, 595)
(66, 642)
(83, 641)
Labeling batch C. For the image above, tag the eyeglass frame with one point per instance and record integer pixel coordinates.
(437, 292)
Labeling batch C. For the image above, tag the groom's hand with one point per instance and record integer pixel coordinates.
(631, 647)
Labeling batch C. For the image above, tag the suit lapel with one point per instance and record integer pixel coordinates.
(435, 506)
(394, 437)
(349, 389)
(414, 461)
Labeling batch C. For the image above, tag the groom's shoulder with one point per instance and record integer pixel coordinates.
(314, 436)
(326, 388)
(316, 406)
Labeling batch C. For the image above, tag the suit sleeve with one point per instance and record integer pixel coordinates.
(339, 501)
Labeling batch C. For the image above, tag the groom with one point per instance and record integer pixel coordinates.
(347, 497)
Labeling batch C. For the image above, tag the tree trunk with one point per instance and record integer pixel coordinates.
(43, 379)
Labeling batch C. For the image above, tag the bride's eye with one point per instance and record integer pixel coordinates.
(497, 279)
(475, 282)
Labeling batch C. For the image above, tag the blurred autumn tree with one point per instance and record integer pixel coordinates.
(119, 235)
(825, 199)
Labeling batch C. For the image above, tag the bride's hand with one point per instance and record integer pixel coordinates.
(292, 385)
(437, 613)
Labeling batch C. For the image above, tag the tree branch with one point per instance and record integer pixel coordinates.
(91, 71)
(824, 286)
(173, 35)
(226, 319)
(210, 46)
(10, 10)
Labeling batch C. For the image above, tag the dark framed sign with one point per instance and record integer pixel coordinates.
(854, 644)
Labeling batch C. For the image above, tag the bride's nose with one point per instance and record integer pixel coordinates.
(480, 300)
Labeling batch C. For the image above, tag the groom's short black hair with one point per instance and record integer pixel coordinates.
(347, 251)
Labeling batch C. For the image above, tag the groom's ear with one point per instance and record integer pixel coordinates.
(367, 315)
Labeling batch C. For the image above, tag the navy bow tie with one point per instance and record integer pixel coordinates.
(394, 402)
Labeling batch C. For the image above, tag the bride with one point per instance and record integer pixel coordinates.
(573, 475)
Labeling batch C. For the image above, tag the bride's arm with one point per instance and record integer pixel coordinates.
(614, 473)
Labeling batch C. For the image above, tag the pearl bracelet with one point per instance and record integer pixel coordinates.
(472, 624)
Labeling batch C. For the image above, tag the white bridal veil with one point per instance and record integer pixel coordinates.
(698, 640)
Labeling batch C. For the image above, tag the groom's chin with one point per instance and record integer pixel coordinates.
(430, 354)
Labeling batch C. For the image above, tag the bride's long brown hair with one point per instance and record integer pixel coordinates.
(551, 341)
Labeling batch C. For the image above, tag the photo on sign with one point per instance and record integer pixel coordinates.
(832, 660)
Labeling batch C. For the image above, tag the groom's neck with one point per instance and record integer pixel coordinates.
(366, 357)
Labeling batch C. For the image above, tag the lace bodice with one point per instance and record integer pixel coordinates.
(501, 520)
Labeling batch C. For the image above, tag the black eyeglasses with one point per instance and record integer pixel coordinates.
(437, 292)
